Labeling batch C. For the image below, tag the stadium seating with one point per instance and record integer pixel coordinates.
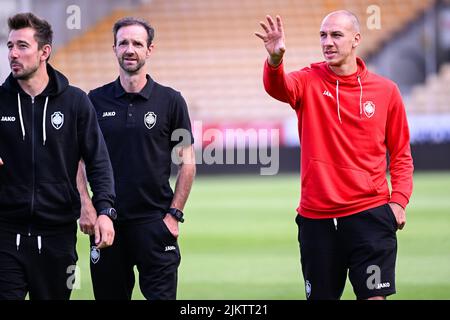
(207, 49)
(433, 96)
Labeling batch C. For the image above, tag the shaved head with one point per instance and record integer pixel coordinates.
(339, 38)
(350, 17)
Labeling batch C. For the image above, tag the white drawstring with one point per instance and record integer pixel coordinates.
(335, 223)
(39, 243)
(337, 98)
(44, 132)
(18, 241)
(360, 97)
(19, 106)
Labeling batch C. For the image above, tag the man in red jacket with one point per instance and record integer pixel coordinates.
(348, 119)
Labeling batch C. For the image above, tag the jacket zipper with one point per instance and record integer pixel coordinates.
(33, 164)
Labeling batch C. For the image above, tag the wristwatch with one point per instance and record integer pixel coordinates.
(110, 212)
(177, 214)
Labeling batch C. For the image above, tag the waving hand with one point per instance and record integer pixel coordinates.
(273, 39)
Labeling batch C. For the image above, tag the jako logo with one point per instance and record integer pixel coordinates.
(383, 285)
(109, 114)
(169, 248)
(8, 119)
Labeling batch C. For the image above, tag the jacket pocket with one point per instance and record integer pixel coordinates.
(391, 216)
(53, 197)
(328, 186)
(14, 197)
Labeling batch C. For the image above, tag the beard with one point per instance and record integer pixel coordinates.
(131, 69)
(25, 74)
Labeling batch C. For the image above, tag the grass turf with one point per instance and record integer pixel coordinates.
(240, 241)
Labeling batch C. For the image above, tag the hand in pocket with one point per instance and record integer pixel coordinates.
(399, 213)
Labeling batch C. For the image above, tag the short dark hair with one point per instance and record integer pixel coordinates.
(43, 34)
(131, 21)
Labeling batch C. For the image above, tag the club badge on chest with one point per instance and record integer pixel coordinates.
(150, 119)
(57, 119)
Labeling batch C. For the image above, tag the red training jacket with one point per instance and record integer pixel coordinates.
(346, 125)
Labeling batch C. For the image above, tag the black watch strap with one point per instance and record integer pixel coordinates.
(110, 212)
(177, 214)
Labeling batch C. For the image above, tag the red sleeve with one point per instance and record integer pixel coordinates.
(281, 86)
(397, 140)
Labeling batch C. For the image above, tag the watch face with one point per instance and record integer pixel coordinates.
(112, 213)
(178, 214)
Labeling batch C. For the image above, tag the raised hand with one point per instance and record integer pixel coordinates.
(273, 39)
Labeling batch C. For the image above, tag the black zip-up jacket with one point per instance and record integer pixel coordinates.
(41, 143)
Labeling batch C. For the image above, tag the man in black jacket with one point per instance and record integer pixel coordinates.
(46, 126)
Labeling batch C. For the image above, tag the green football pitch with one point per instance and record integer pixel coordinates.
(240, 241)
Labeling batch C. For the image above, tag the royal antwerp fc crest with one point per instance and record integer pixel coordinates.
(57, 120)
(369, 109)
(150, 119)
(95, 255)
(308, 288)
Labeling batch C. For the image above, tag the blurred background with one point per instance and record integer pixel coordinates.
(240, 239)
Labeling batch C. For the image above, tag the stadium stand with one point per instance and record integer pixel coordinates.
(207, 50)
(433, 96)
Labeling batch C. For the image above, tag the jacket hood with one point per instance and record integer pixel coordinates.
(56, 85)
(352, 80)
